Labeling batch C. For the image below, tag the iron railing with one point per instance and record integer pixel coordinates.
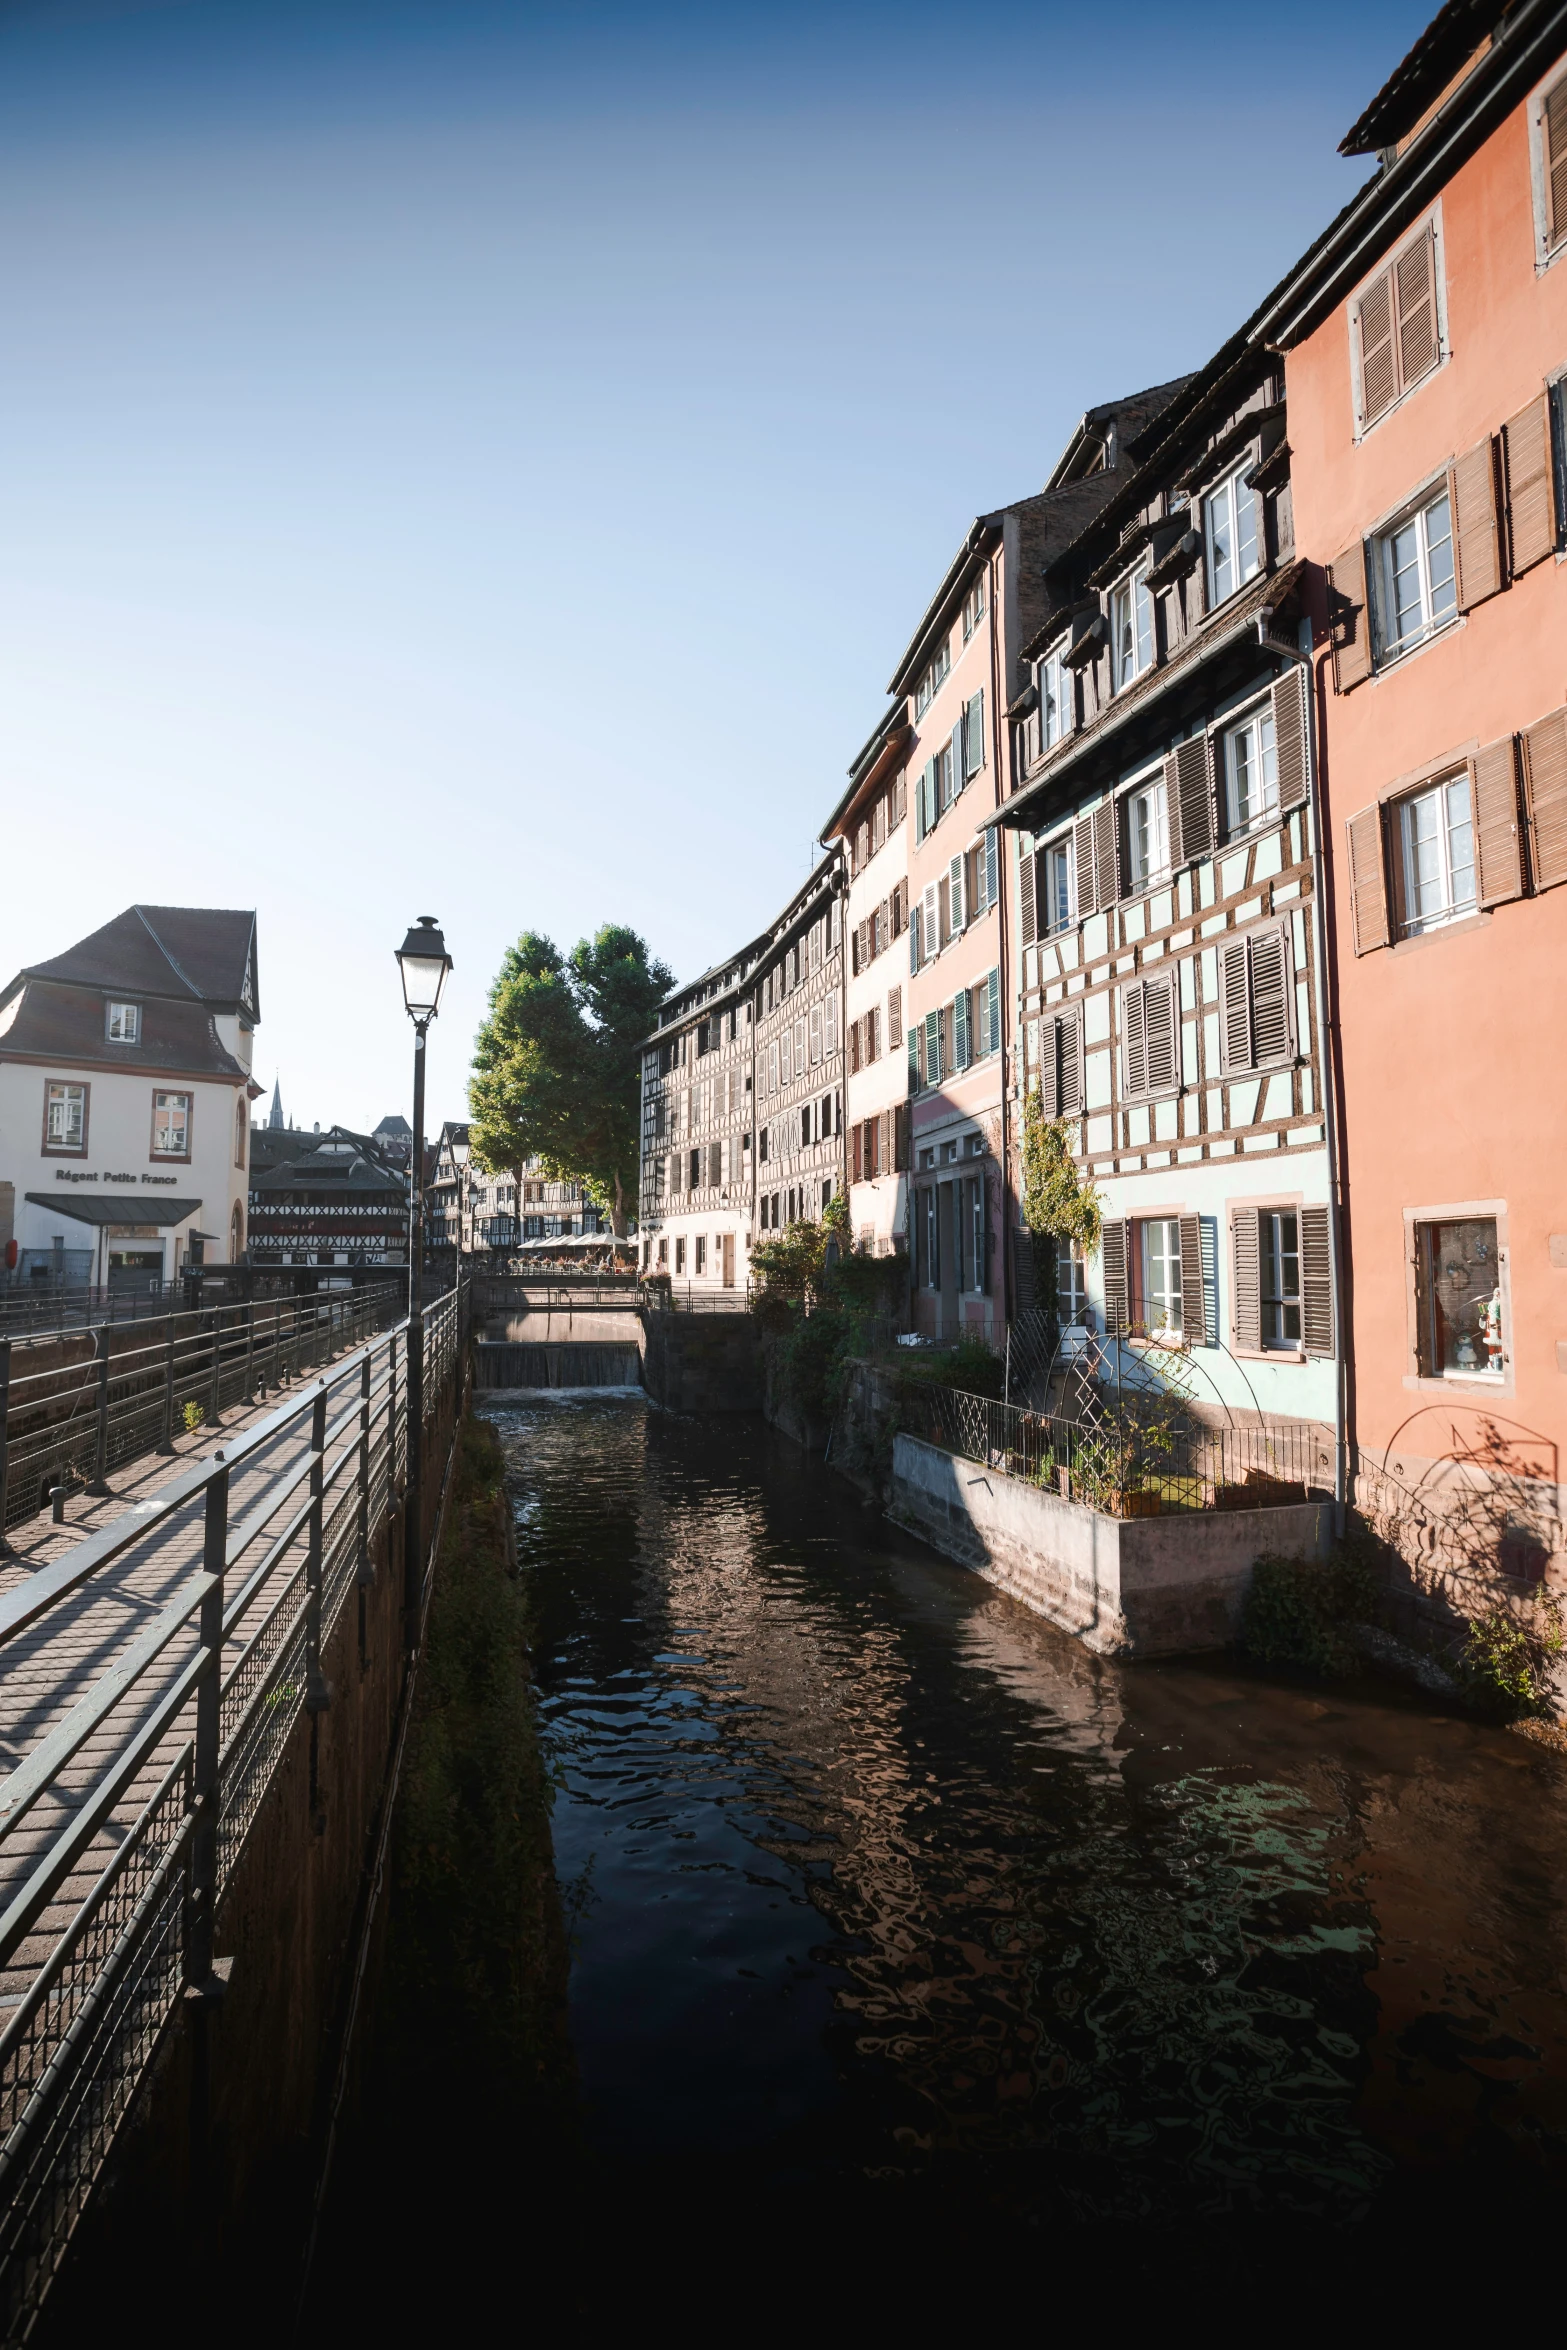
(66, 1425)
(1124, 1465)
(138, 1798)
(689, 1297)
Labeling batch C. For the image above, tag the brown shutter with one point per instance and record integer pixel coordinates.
(1270, 997)
(1555, 127)
(1545, 798)
(856, 1176)
(1194, 791)
(1026, 892)
(1246, 1236)
(1378, 366)
(1531, 502)
(1498, 838)
(1050, 1068)
(1194, 1303)
(1368, 881)
(1235, 1007)
(1414, 275)
(888, 1140)
(1134, 1039)
(1083, 854)
(1351, 618)
(1112, 1255)
(894, 1017)
(1477, 537)
(1159, 1032)
(1107, 873)
(1316, 1282)
(1070, 1025)
(1291, 716)
(1172, 816)
(905, 1137)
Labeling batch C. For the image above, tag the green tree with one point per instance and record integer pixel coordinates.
(556, 1066)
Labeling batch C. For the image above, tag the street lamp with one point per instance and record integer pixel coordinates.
(423, 962)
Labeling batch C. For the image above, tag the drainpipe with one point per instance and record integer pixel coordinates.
(996, 742)
(1302, 657)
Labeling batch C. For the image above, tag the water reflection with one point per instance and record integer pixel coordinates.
(876, 1876)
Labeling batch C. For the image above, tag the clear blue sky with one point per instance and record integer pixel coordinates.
(486, 460)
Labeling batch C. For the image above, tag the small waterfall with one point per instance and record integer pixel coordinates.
(519, 1363)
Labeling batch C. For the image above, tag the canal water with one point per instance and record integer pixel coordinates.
(904, 1929)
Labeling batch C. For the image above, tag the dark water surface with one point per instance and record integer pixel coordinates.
(900, 1921)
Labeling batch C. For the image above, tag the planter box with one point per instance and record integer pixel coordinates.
(1124, 1586)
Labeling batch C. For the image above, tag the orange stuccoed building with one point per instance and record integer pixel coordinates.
(1425, 343)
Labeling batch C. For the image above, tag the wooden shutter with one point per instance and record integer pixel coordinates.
(1531, 493)
(1271, 996)
(1107, 854)
(1083, 857)
(1414, 277)
(856, 1164)
(1050, 1068)
(1134, 1039)
(1159, 1032)
(974, 734)
(1194, 1304)
(1316, 1282)
(1368, 881)
(1028, 931)
(1112, 1256)
(1545, 798)
(1554, 129)
(1246, 1237)
(1493, 779)
(961, 1041)
(1378, 360)
(1477, 537)
(1234, 1007)
(1291, 717)
(900, 799)
(1350, 617)
(956, 775)
(992, 867)
(887, 1141)
(1172, 816)
(1070, 1029)
(1194, 796)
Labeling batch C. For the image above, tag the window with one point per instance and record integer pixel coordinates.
(1548, 136)
(680, 1256)
(933, 1068)
(1071, 1283)
(1256, 999)
(973, 607)
(171, 1125)
(241, 1131)
(1412, 577)
(125, 1023)
(699, 1247)
(1131, 627)
(694, 1169)
(1055, 706)
(830, 1025)
(1251, 771)
(933, 678)
(1232, 534)
(1060, 1076)
(1149, 1059)
(1161, 1237)
(816, 1034)
(1458, 1276)
(894, 1018)
(65, 1118)
(1280, 1238)
(973, 738)
(1396, 330)
(1054, 873)
(1147, 842)
(1437, 841)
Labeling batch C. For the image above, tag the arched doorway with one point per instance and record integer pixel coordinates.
(236, 1234)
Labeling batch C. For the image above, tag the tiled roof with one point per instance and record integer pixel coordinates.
(67, 1024)
(196, 954)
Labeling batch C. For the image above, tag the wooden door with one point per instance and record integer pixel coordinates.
(727, 1243)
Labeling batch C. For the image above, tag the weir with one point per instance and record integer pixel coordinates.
(557, 1334)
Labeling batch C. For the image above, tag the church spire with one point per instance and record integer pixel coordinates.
(275, 1120)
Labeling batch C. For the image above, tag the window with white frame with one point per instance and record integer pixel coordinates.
(1055, 705)
(1161, 1269)
(1232, 536)
(1280, 1273)
(1251, 770)
(65, 1117)
(1460, 1315)
(1071, 1283)
(1548, 140)
(171, 1125)
(933, 678)
(1412, 577)
(1053, 885)
(974, 607)
(125, 1023)
(1131, 627)
(1147, 834)
(1436, 841)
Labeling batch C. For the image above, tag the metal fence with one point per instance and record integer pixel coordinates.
(684, 1297)
(1125, 1466)
(141, 1794)
(65, 1426)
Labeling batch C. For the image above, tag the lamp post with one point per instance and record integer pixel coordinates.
(423, 961)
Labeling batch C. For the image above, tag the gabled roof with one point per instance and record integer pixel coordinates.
(67, 1025)
(1449, 40)
(193, 954)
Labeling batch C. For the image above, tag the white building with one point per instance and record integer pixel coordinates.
(125, 1093)
(869, 824)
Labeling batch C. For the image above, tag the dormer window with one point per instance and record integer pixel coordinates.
(1232, 536)
(125, 1023)
(1055, 704)
(1131, 627)
(974, 607)
(934, 678)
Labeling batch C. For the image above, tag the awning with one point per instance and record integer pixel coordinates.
(133, 1207)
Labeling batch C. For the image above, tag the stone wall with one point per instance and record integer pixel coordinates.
(703, 1362)
(1123, 1586)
